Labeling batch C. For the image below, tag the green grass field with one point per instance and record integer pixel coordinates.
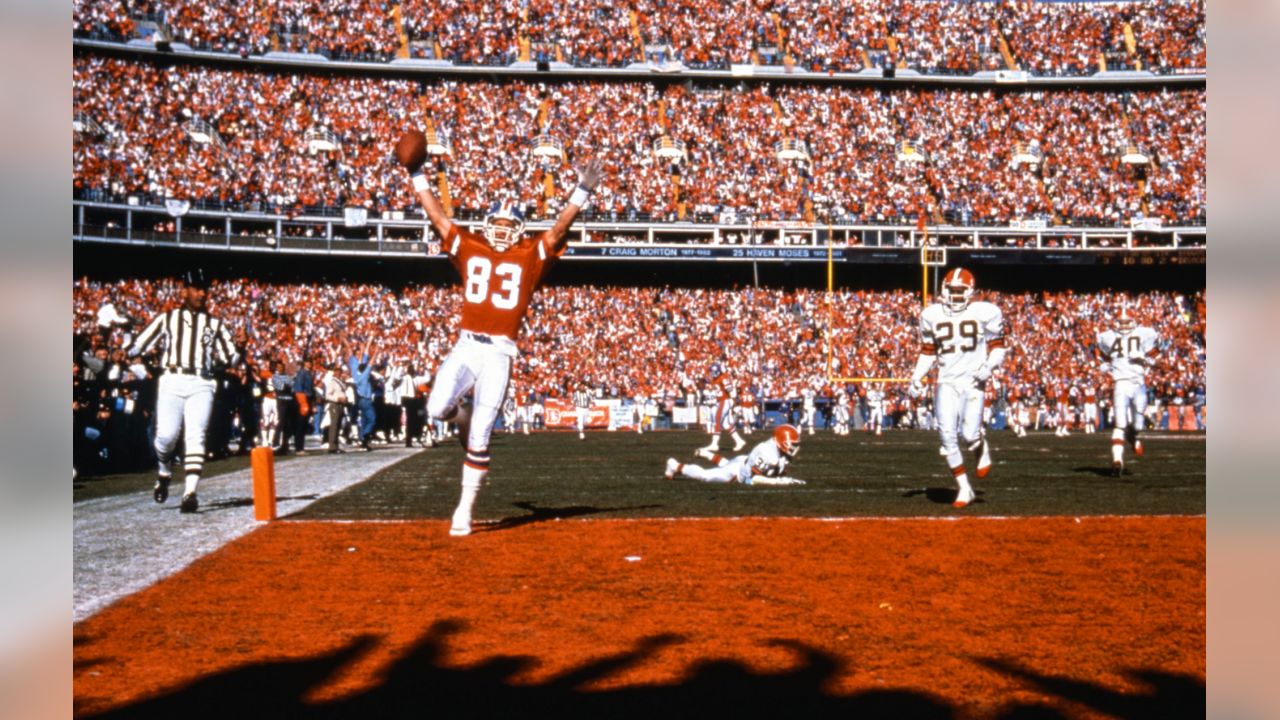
(900, 474)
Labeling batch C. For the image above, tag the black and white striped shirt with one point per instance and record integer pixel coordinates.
(582, 398)
(193, 342)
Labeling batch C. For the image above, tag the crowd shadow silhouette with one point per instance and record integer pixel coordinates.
(421, 684)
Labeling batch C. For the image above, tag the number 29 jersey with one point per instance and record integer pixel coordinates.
(960, 340)
(497, 286)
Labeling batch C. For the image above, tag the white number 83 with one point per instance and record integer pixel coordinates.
(480, 270)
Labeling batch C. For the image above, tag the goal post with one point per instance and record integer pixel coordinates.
(930, 257)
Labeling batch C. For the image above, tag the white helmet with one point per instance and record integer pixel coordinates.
(957, 289)
(503, 236)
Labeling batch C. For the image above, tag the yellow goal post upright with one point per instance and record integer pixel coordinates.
(931, 256)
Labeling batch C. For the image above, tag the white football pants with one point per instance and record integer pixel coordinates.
(957, 409)
(472, 365)
(182, 401)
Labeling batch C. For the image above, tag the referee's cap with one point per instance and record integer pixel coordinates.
(195, 277)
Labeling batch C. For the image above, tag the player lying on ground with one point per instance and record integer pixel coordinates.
(500, 269)
(766, 464)
(966, 339)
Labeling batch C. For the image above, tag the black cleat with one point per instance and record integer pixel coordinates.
(161, 492)
(190, 503)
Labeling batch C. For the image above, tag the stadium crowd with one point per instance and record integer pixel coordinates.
(664, 345)
(933, 37)
(261, 157)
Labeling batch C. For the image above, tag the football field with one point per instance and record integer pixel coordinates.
(899, 474)
(593, 587)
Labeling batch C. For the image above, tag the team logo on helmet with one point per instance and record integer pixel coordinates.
(504, 225)
(787, 438)
(957, 289)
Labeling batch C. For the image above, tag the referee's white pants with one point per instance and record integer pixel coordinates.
(957, 409)
(472, 365)
(182, 401)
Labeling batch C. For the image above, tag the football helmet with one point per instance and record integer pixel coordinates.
(787, 438)
(957, 289)
(1125, 323)
(504, 225)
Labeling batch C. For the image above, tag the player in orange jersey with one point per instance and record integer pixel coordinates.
(501, 268)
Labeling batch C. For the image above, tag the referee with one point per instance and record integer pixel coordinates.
(193, 343)
(582, 400)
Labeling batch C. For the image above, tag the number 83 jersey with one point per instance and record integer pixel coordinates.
(960, 339)
(497, 286)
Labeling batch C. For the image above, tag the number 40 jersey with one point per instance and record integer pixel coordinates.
(1129, 352)
(961, 339)
(497, 286)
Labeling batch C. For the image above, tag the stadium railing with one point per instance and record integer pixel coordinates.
(401, 234)
(530, 69)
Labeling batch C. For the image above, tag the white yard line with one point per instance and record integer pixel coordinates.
(125, 543)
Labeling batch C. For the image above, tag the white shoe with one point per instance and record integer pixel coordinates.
(738, 446)
(984, 459)
(461, 526)
(672, 466)
(705, 453)
(963, 497)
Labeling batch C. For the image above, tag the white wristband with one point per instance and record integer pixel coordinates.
(420, 181)
(581, 197)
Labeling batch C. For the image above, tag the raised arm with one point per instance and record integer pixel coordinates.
(588, 178)
(411, 152)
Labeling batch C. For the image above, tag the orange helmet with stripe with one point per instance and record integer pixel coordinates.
(787, 438)
(957, 289)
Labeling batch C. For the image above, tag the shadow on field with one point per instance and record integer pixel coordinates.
(1101, 471)
(540, 514)
(422, 683)
(942, 496)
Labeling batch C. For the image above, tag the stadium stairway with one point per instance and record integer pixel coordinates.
(1005, 52)
(1131, 47)
(397, 16)
(636, 38)
(442, 178)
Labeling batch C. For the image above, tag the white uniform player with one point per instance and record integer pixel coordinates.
(500, 271)
(840, 413)
(722, 414)
(966, 340)
(765, 465)
(875, 409)
(808, 398)
(1129, 350)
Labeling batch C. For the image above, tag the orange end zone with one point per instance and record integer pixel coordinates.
(967, 618)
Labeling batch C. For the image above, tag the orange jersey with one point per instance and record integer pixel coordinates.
(497, 286)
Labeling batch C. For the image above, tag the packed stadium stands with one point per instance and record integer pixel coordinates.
(1045, 38)
(261, 158)
(284, 137)
(661, 342)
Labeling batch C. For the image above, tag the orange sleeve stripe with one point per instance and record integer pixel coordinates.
(928, 350)
(996, 343)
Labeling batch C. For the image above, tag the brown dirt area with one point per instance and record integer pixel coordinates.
(1096, 617)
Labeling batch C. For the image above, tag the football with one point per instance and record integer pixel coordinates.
(411, 150)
